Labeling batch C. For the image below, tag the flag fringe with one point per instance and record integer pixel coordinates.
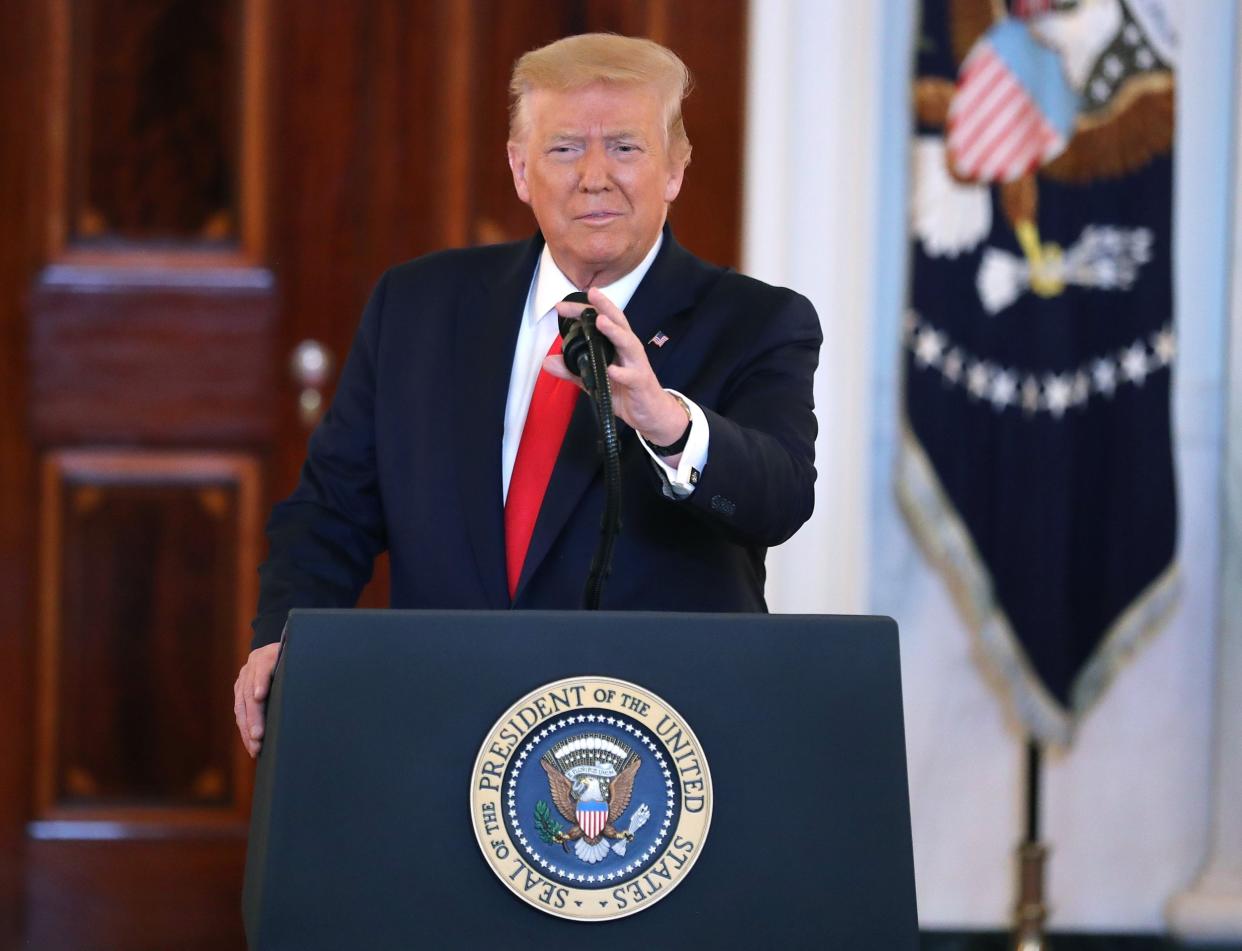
(948, 545)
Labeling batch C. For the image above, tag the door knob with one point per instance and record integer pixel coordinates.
(311, 365)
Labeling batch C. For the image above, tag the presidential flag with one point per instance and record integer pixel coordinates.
(1037, 464)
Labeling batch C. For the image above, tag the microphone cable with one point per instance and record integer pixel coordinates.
(588, 354)
(610, 448)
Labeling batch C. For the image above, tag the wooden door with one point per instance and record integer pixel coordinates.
(189, 189)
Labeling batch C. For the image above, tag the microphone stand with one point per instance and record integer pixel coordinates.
(595, 379)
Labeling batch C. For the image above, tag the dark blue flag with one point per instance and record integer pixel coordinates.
(1037, 464)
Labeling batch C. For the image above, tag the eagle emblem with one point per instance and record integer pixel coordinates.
(590, 780)
(1064, 91)
(614, 815)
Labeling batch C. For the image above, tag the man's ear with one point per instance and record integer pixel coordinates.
(517, 165)
(672, 186)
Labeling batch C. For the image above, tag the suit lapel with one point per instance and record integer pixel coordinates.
(671, 286)
(484, 337)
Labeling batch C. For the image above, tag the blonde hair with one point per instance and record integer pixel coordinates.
(578, 61)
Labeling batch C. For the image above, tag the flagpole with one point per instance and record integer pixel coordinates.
(1030, 911)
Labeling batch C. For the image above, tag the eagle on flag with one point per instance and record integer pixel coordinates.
(1068, 90)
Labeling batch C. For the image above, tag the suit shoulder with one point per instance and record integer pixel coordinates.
(751, 289)
(724, 284)
(753, 301)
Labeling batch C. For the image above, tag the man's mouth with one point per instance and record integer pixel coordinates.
(599, 217)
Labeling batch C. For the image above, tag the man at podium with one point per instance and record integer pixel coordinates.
(459, 442)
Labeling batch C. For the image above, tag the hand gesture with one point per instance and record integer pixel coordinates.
(637, 396)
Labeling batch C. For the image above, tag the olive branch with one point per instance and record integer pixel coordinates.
(546, 824)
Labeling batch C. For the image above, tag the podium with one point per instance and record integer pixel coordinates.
(363, 829)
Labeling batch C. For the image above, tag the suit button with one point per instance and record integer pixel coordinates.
(722, 505)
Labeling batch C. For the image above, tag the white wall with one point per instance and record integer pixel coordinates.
(1127, 808)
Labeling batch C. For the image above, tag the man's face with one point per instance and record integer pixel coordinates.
(595, 169)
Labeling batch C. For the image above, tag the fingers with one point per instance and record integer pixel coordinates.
(253, 734)
(599, 300)
(614, 325)
(611, 323)
(556, 367)
(631, 375)
(630, 379)
(264, 662)
(629, 348)
(249, 693)
(603, 306)
(239, 711)
(570, 308)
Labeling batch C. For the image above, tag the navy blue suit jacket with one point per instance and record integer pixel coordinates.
(408, 457)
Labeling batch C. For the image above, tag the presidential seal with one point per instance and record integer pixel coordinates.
(591, 798)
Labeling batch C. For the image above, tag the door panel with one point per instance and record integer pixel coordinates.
(148, 564)
(154, 355)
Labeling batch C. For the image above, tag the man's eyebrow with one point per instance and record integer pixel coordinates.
(610, 136)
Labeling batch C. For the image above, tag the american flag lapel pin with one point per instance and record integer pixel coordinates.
(660, 339)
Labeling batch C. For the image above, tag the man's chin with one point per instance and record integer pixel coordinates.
(602, 256)
(596, 255)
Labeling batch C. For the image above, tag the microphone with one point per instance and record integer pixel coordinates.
(577, 336)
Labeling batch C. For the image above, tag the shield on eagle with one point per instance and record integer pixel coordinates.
(1013, 109)
(592, 816)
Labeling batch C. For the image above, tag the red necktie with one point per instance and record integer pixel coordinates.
(551, 406)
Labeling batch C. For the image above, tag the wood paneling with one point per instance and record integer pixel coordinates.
(153, 149)
(156, 134)
(711, 37)
(167, 356)
(148, 564)
(360, 142)
(146, 896)
(22, 67)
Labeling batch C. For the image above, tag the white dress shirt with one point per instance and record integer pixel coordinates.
(548, 287)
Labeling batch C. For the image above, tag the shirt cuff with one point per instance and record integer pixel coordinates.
(679, 482)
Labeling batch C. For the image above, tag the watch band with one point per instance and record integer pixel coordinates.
(675, 447)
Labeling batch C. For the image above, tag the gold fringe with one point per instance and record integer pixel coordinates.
(945, 540)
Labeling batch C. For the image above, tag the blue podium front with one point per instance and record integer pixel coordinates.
(627, 780)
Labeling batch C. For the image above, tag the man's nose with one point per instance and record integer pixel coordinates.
(593, 174)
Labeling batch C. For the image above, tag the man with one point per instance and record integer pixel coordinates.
(457, 441)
